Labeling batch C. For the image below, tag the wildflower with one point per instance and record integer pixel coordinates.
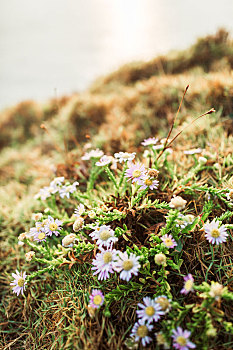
(181, 339)
(104, 263)
(96, 299)
(94, 153)
(104, 236)
(216, 290)
(135, 171)
(66, 190)
(30, 255)
(40, 236)
(68, 241)
(78, 224)
(177, 202)
(140, 332)
(214, 233)
(37, 216)
(160, 259)
(168, 241)
(124, 156)
(161, 340)
(164, 302)
(158, 147)
(80, 210)
(188, 284)
(57, 182)
(150, 141)
(127, 265)
(19, 282)
(147, 182)
(230, 195)
(184, 220)
(151, 311)
(104, 160)
(52, 226)
(44, 193)
(193, 151)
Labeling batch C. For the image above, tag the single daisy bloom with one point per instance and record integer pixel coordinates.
(56, 184)
(124, 156)
(127, 265)
(188, 284)
(104, 263)
(150, 311)
(104, 235)
(104, 160)
(147, 182)
(52, 226)
(150, 141)
(181, 339)
(94, 153)
(164, 302)
(44, 193)
(158, 147)
(177, 202)
(140, 332)
(66, 190)
(79, 210)
(40, 236)
(19, 282)
(193, 151)
(135, 171)
(214, 233)
(96, 299)
(168, 241)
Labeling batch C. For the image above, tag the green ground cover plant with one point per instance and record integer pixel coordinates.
(121, 238)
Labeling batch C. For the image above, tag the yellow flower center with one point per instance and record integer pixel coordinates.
(215, 233)
(168, 242)
(136, 173)
(163, 302)
(148, 182)
(142, 331)
(107, 258)
(188, 285)
(127, 265)
(20, 282)
(97, 300)
(150, 311)
(53, 226)
(181, 340)
(41, 235)
(105, 235)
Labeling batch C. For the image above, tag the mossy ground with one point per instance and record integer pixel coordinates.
(116, 114)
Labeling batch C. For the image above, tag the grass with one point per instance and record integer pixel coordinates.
(116, 114)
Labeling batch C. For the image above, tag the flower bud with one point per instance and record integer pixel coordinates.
(216, 290)
(160, 259)
(37, 216)
(91, 214)
(153, 173)
(177, 203)
(78, 224)
(22, 236)
(30, 255)
(69, 240)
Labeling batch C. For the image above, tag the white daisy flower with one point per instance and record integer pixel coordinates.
(104, 160)
(19, 282)
(79, 210)
(127, 265)
(94, 153)
(140, 332)
(66, 190)
(214, 233)
(104, 235)
(150, 141)
(104, 263)
(150, 310)
(124, 156)
(193, 151)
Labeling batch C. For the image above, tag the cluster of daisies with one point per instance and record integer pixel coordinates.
(45, 228)
(109, 260)
(57, 186)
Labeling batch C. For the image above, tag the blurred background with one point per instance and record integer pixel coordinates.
(55, 47)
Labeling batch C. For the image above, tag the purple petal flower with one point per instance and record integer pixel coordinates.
(214, 233)
(19, 282)
(96, 299)
(188, 284)
(181, 339)
(135, 171)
